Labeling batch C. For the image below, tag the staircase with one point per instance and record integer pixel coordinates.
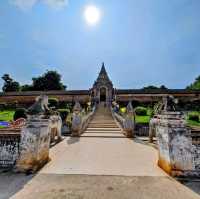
(103, 125)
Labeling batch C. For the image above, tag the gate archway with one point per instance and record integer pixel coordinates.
(103, 94)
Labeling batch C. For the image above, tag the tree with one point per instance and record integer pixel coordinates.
(26, 87)
(10, 84)
(163, 87)
(195, 85)
(51, 80)
(151, 87)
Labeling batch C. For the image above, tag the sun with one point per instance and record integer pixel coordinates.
(92, 15)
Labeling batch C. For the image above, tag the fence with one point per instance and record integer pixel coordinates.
(9, 147)
(142, 130)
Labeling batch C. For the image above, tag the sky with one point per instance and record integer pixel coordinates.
(142, 42)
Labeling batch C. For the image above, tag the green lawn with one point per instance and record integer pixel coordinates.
(191, 122)
(6, 115)
(142, 119)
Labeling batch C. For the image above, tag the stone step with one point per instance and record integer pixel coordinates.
(103, 118)
(103, 135)
(103, 129)
(103, 132)
(107, 123)
(101, 123)
(103, 126)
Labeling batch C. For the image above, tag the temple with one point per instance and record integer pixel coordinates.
(102, 90)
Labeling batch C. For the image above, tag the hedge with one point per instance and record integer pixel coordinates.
(63, 113)
(53, 102)
(20, 113)
(142, 111)
(194, 117)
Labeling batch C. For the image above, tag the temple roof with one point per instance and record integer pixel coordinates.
(103, 76)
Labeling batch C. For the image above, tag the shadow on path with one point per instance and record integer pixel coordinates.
(145, 142)
(192, 184)
(11, 183)
(73, 140)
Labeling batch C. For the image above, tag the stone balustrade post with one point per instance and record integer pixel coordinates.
(152, 128)
(174, 144)
(129, 125)
(35, 137)
(76, 120)
(34, 146)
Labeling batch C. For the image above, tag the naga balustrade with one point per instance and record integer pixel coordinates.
(80, 120)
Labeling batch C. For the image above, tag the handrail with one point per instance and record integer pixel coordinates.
(118, 118)
(127, 124)
(80, 122)
(86, 119)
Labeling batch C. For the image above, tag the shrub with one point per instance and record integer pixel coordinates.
(20, 113)
(142, 111)
(63, 113)
(2, 106)
(53, 102)
(193, 117)
(123, 110)
(62, 104)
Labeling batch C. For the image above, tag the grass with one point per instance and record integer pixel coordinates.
(191, 122)
(142, 119)
(6, 115)
(145, 118)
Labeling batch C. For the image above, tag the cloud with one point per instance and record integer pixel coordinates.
(28, 4)
(56, 3)
(24, 4)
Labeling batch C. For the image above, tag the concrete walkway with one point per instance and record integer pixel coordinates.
(101, 168)
(103, 156)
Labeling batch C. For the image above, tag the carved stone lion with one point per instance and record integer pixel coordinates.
(40, 107)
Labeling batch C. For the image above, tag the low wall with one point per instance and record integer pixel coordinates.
(9, 147)
(142, 130)
(119, 118)
(196, 145)
(86, 119)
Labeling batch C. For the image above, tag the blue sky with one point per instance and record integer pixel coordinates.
(142, 42)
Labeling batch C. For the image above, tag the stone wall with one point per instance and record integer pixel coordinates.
(9, 147)
(196, 151)
(142, 130)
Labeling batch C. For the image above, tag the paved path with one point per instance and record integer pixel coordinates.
(101, 168)
(103, 156)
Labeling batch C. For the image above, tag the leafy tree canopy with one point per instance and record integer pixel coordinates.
(195, 85)
(51, 80)
(9, 84)
(151, 87)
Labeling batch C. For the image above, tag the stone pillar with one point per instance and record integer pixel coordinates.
(55, 125)
(174, 144)
(34, 146)
(152, 128)
(77, 120)
(129, 122)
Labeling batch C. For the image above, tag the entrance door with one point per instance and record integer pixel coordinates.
(103, 94)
